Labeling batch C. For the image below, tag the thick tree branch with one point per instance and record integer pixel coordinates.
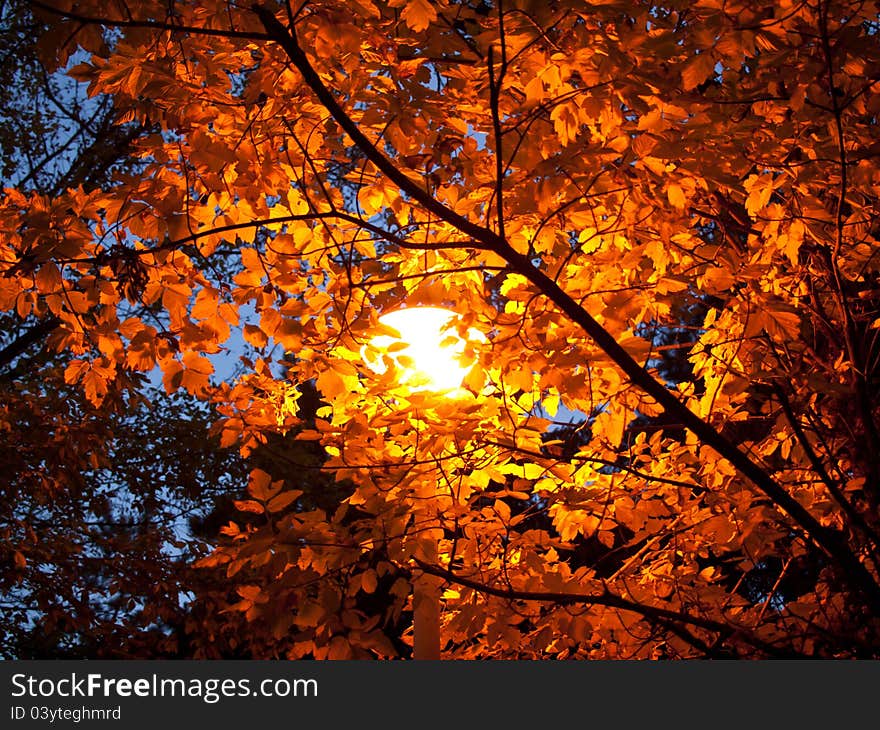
(26, 340)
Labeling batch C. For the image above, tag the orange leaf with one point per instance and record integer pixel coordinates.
(283, 500)
(418, 14)
(676, 196)
(248, 505)
(261, 487)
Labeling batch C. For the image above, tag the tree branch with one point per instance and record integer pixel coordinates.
(853, 346)
(819, 467)
(609, 600)
(155, 24)
(30, 337)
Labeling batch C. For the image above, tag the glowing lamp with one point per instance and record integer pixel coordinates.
(428, 351)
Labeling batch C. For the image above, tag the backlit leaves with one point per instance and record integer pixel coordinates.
(697, 182)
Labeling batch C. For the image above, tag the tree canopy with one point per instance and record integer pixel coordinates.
(662, 219)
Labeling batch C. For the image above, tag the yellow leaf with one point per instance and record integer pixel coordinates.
(611, 423)
(717, 279)
(760, 189)
(676, 196)
(533, 471)
(794, 239)
(296, 203)
(551, 404)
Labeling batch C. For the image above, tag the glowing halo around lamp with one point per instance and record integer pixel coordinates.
(428, 351)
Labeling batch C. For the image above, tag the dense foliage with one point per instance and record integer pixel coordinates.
(662, 218)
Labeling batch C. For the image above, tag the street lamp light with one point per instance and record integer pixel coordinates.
(428, 353)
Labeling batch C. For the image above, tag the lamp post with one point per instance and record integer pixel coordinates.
(428, 355)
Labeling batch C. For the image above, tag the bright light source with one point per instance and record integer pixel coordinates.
(428, 352)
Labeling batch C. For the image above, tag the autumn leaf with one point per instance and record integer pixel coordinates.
(247, 505)
(760, 188)
(283, 500)
(676, 196)
(418, 14)
(696, 70)
(261, 486)
(369, 581)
